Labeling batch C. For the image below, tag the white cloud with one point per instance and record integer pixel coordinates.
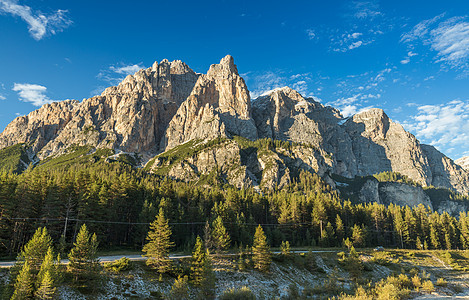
(448, 38)
(32, 93)
(126, 70)
(39, 24)
(349, 106)
(311, 34)
(365, 9)
(405, 61)
(445, 126)
(2, 97)
(261, 83)
(350, 110)
(116, 73)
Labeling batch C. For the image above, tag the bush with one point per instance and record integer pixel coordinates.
(123, 264)
(427, 286)
(416, 282)
(243, 293)
(441, 282)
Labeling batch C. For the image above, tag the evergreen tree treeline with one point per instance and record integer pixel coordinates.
(119, 203)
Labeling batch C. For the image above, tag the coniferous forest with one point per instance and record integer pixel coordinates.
(119, 202)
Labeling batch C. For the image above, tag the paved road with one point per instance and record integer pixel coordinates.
(8, 264)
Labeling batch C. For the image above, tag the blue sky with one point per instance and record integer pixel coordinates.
(410, 58)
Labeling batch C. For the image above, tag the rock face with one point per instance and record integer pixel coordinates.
(368, 143)
(240, 165)
(393, 192)
(167, 105)
(131, 116)
(463, 162)
(219, 105)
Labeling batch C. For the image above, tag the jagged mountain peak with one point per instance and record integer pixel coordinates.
(463, 162)
(225, 68)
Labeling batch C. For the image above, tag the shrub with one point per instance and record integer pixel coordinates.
(441, 282)
(427, 286)
(123, 264)
(243, 293)
(416, 282)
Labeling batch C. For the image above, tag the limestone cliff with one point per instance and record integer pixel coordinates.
(463, 162)
(131, 116)
(219, 105)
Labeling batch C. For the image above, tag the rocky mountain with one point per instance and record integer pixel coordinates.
(192, 126)
(463, 162)
(132, 116)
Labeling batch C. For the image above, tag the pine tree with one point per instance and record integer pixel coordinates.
(23, 284)
(285, 248)
(180, 289)
(339, 228)
(49, 267)
(261, 251)
(159, 243)
(221, 237)
(207, 285)
(35, 250)
(83, 256)
(358, 236)
(208, 238)
(198, 260)
(434, 239)
(46, 289)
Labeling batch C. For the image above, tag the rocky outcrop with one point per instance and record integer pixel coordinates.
(393, 192)
(382, 145)
(365, 144)
(241, 166)
(445, 173)
(219, 105)
(463, 162)
(40, 126)
(403, 194)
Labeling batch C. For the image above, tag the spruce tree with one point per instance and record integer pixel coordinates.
(198, 260)
(208, 238)
(46, 289)
(83, 256)
(35, 250)
(220, 235)
(47, 266)
(23, 284)
(180, 289)
(261, 251)
(207, 285)
(159, 243)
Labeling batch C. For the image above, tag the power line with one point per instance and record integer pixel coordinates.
(177, 223)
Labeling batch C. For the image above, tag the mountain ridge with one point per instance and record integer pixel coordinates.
(162, 107)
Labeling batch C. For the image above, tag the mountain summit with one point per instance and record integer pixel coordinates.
(168, 105)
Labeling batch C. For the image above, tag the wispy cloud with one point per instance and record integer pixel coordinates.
(448, 38)
(445, 126)
(365, 9)
(349, 106)
(33, 93)
(364, 23)
(116, 73)
(39, 24)
(311, 34)
(2, 97)
(261, 83)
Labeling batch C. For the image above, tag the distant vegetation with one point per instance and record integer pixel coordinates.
(14, 158)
